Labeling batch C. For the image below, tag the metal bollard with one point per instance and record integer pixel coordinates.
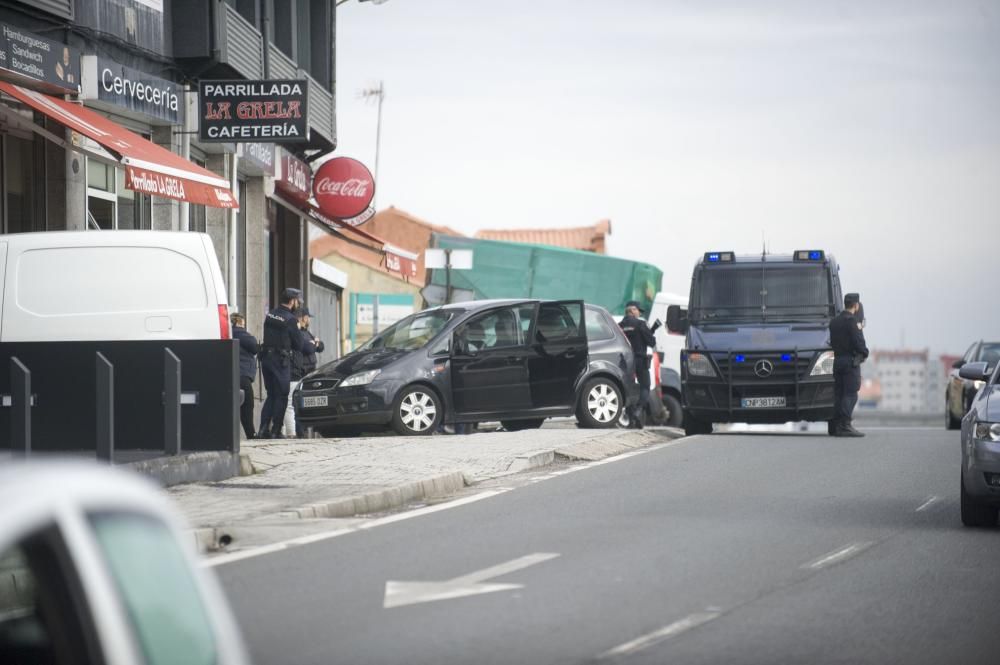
(20, 405)
(171, 403)
(105, 409)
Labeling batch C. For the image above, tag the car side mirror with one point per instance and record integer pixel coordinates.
(974, 371)
(677, 321)
(957, 364)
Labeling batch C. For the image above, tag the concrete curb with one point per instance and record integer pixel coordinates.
(192, 467)
(213, 539)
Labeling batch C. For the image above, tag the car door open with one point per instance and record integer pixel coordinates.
(557, 354)
(489, 373)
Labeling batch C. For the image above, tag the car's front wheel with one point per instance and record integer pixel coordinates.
(600, 404)
(417, 412)
(974, 513)
(673, 407)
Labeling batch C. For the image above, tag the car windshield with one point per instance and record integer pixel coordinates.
(760, 292)
(413, 332)
(989, 353)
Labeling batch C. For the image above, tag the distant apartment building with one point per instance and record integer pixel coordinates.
(904, 380)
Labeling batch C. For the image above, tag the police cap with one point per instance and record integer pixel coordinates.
(634, 303)
(851, 299)
(290, 294)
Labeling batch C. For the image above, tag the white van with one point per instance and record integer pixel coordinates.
(669, 347)
(110, 285)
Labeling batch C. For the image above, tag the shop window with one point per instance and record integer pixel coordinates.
(110, 204)
(284, 27)
(21, 187)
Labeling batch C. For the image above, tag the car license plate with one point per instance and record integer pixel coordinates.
(761, 402)
(312, 402)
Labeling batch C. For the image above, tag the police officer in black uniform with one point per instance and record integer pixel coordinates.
(281, 336)
(849, 351)
(640, 337)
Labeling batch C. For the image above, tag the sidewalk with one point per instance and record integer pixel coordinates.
(303, 479)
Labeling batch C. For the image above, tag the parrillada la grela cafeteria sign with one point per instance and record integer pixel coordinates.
(253, 111)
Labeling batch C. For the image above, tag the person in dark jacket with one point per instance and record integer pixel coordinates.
(640, 338)
(849, 351)
(303, 362)
(248, 370)
(281, 336)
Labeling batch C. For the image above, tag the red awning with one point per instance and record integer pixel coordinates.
(149, 168)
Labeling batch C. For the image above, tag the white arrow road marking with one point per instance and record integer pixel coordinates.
(657, 636)
(837, 556)
(398, 594)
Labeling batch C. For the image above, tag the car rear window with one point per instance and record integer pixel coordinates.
(63, 281)
(597, 326)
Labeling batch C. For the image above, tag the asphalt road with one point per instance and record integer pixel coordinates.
(738, 548)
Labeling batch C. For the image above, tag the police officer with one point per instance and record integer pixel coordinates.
(640, 337)
(281, 336)
(849, 351)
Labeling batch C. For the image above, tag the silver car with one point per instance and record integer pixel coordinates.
(93, 569)
(980, 488)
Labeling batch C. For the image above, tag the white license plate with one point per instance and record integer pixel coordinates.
(312, 402)
(761, 402)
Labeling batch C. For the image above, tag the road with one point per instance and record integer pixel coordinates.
(730, 548)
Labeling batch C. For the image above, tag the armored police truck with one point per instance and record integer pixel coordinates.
(757, 345)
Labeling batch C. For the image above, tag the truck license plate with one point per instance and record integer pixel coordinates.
(761, 402)
(312, 402)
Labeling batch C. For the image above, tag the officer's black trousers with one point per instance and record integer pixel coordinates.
(277, 380)
(846, 384)
(246, 408)
(642, 377)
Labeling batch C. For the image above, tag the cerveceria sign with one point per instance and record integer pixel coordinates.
(114, 84)
(241, 111)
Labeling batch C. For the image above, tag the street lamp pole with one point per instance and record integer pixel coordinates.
(378, 94)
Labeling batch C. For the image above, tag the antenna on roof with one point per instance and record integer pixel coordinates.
(763, 245)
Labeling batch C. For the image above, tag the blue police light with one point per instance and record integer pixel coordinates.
(713, 258)
(786, 357)
(740, 358)
(815, 256)
(719, 257)
(810, 255)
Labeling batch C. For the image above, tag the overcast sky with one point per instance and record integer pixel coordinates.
(869, 129)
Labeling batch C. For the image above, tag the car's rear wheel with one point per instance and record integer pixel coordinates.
(518, 425)
(600, 404)
(974, 513)
(673, 407)
(417, 412)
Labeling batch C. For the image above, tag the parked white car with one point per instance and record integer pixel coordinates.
(94, 569)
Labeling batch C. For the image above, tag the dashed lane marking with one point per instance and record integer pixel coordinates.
(838, 556)
(657, 636)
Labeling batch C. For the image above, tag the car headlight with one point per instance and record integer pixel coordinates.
(824, 364)
(988, 431)
(360, 379)
(700, 365)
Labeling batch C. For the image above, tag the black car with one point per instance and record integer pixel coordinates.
(960, 391)
(980, 481)
(516, 361)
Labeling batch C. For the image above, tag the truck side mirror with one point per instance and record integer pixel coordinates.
(677, 321)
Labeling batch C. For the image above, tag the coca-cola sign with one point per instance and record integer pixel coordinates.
(343, 188)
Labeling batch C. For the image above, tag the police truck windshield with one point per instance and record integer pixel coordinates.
(761, 292)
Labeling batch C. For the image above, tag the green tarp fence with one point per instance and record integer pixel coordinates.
(520, 270)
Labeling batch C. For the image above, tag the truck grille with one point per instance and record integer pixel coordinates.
(763, 367)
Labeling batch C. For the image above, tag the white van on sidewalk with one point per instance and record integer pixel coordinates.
(668, 348)
(111, 285)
